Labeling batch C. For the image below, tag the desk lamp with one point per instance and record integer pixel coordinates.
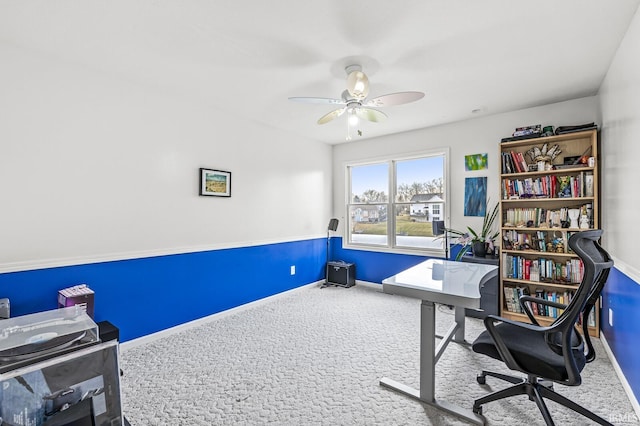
(333, 226)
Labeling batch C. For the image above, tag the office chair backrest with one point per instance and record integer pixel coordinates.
(603, 266)
(562, 336)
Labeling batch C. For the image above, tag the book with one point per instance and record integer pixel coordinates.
(537, 128)
(588, 185)
(551, 309)
(523, 162)
(541, 307)
(519, 138)
(508, 299)
(516, 162)
(571, 129)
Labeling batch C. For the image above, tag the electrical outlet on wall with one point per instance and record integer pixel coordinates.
(610, 317)
(293, 269)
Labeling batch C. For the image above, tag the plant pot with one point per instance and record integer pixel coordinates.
(479, 249)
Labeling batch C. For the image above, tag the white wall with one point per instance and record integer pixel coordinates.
(620, 106)
(96, 167)
(481, 135)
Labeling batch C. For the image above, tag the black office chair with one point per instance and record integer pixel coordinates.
(555, 353)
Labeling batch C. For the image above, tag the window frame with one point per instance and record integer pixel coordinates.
(391, 245)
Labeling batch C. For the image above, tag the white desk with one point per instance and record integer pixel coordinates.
(449, 283)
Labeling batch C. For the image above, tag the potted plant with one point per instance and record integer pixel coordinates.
(477, 241)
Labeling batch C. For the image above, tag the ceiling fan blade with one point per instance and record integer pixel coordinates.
(395, 99)
(370, 114)
(330, 116)
(310, 100)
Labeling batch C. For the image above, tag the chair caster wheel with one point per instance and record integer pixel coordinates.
(481, 379)
(477, 410)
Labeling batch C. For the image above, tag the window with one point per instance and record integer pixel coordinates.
(393, 202)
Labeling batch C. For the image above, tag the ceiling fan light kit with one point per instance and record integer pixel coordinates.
(355, 101)
(357, 82)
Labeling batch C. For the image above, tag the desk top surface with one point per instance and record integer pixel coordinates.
(442, 281)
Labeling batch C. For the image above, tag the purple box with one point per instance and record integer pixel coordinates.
(79, 295)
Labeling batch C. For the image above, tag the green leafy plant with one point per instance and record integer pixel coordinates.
(486, 235)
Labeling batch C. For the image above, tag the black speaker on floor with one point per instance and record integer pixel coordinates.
(341, 274)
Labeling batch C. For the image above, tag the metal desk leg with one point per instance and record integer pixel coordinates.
(428, 358)
(459, 317)
(428, 351)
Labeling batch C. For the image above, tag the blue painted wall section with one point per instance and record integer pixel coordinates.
(622, 295)
(373, 266)
(143, 296)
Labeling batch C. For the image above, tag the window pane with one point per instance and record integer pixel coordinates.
(420, 200)
(419, 176)
(370, 184)
(414, 230)
(368, 224)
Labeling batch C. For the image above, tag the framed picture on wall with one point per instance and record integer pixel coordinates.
(475, 196)
(215, 183)
(476, 162)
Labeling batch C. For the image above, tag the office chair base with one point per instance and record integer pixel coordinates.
(537, 390)
(481, 378)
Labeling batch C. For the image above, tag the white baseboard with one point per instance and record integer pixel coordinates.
(623, 381)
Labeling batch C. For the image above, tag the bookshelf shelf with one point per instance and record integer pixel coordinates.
(532, 229)
(546, 200)
(535, 218)
(539, 253)
(563, 171)
(566, 286)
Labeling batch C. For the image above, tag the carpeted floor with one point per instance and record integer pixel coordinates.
(315, 356)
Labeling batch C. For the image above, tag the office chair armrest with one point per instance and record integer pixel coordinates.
(527, 310)
(490, 322)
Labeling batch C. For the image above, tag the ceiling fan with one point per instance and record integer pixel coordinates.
(355, 101)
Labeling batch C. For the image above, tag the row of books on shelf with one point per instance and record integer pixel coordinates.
(514, 162)
(542, 241)
(569, 271)
(549, 186)
(538, 217)
(512, 302)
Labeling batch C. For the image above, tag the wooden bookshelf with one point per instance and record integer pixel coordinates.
(535, 223)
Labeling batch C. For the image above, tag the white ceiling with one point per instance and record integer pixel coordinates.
(246, 57)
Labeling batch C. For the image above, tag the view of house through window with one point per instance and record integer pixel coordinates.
(393, 203)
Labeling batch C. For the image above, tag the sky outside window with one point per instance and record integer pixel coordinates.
(376, 176)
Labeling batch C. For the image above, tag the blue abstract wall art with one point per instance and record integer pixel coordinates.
(475, 196)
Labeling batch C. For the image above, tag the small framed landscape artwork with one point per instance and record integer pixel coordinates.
(216, 183)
